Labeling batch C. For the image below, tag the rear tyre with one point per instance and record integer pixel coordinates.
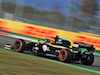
(65, 55)
(88, 60)
(19, 45)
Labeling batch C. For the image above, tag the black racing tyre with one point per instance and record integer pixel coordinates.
(65, 55)
(19, 45)
(88, 60)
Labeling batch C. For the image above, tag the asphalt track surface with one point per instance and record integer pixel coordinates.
(95, 66)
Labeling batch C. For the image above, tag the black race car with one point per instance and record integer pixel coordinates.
(62, 49)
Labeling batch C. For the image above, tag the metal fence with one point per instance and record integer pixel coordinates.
(52, 14)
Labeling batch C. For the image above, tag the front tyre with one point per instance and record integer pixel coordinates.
(19, 45)
(88, 60)
(65, 55)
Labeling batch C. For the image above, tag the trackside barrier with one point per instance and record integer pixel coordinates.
(46, 32)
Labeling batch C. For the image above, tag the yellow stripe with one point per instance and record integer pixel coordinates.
(7, 48)
(51, 45)
(35, 41)
(70, 45)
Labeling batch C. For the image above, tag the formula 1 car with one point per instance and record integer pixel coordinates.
(62, 49)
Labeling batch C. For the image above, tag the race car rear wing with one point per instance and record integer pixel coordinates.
(82, 45)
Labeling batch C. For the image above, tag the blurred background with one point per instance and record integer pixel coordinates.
(70, 15)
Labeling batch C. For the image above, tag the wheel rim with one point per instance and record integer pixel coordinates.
(17, 45)
(88, 58)
(62, 55)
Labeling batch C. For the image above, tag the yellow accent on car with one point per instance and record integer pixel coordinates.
(70, 45)
(35, 41)
(55, 45)
(7, 48)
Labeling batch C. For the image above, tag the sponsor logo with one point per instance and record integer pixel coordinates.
(57, 51)
(85, 45)
(51, 55)
(87, 53)
(75, 45)
(45, 48)
(62, 47)
(36, 48)
(75, 51)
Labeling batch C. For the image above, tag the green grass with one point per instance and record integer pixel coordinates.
(17, 64)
